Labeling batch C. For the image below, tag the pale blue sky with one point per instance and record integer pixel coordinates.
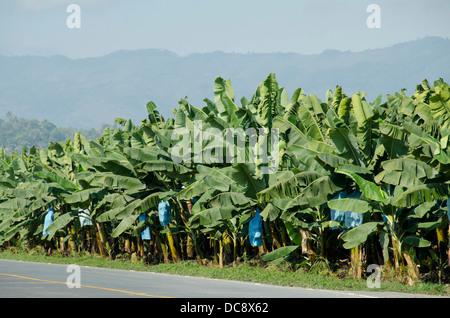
(191, 26)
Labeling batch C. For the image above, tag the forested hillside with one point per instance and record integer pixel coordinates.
(16, 133)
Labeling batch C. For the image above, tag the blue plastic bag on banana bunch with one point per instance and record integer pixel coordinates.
(448, 208)
(164, 213)
(338, 215)
(255, 230)
(353, 219)
(145, 234)
(85, 217)
(48, 220)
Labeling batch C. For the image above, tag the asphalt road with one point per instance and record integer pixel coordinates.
(40, 280)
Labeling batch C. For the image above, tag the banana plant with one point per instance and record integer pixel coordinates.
(394, 155)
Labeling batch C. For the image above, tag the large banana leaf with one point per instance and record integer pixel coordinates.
(14, 204)
(14, 230)
(187, 114)
(215, 216)
(393, 138)
(230, 199)
(267, 105)
(416, 241)
(319, 191)
(288, 187)
(281, 252)
(294, 135)
(346, 144)
(142, 155)
(150, 201)
(6, 183)
(118, 212)
(124, 224)
(358, 235)
(343, 109)
(361, 110)
(270, 212)
(314, 104)
(423, 193)
(440, 105)
(166, 167)
(119, 166)
(223, 174)
(311, 126)
(350, 204)
(64, 182)
(370, 190)
(109, 180)
(224, 101)
(60, 222)
(197, 188)
(244, 176)
(85, 196)
(419, 137)
(406, 172)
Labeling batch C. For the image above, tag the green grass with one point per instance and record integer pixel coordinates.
(246, 271)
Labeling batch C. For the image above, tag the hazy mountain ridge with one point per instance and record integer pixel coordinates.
(89, 92)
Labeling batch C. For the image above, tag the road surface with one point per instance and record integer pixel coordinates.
(30, 280)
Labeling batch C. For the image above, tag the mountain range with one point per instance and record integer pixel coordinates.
(87, 93)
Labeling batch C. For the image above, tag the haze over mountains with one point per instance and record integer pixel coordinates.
(86, 93)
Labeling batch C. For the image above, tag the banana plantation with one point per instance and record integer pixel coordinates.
(344, 181)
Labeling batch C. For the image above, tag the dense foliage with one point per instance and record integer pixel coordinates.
(356, 182)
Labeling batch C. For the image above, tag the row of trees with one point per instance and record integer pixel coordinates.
(357, 181)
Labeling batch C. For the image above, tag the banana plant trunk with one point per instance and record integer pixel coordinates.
(101, 239)
(356, 261)
(159, 243)
(413, 273)
(307, 244)
(220, 254)
(71, 243)
(275, 238)
(173, 249)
